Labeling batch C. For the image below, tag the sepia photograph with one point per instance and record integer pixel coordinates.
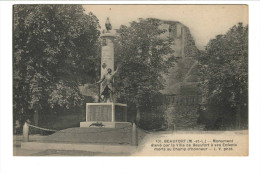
(130, 80)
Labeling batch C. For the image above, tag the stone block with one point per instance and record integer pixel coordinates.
(106, 112)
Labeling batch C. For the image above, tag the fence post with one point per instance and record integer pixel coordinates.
(134, 135)
(25, 132)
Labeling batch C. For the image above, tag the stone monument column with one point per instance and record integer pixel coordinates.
(106, 114)
(107, 52)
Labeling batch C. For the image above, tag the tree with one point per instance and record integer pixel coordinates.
(224, 76)
(144, 57)
(55, 49)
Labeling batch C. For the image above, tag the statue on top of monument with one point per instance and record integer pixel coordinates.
(108, 25)
(107, 79)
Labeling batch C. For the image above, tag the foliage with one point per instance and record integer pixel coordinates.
(55, 50)
(181, 117)
(144, 57)
(224, 71)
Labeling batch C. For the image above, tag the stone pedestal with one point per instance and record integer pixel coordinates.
(111, 115)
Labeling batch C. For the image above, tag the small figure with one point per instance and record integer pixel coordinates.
(108, 82)
(108, 25)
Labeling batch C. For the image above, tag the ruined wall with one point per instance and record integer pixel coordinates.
(184, 44)
(181, 94)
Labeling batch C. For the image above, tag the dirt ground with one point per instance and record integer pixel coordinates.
(18, 151)
(238, 146)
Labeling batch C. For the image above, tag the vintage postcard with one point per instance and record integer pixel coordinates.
(130, 80)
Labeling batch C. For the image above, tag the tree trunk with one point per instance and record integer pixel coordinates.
(36, 117)
(138, 116)
(238, 116)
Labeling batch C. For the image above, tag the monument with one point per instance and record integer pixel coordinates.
(118, 134)
(106, 113)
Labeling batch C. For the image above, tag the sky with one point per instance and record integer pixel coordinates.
(204, 21)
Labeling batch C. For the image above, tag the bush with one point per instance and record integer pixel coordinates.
(182, 117)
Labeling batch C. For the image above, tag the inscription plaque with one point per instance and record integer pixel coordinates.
(99, 113)
(106, 112)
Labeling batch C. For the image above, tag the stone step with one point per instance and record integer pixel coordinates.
(122, 136)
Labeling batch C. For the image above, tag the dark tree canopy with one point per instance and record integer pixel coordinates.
(55, 50)
(144, 57)
(224, 72)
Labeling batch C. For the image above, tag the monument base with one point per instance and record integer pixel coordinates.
(105, 124)
(108, 115)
